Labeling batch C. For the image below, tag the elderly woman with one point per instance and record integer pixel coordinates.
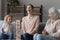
(29, 23)
(52, 28)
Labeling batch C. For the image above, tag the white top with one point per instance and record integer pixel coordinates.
(8, 28)
(29, 24)
(53, 28)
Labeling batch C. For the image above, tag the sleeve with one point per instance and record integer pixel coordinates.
(47, 24)
(2, 27)
(23, 25)
(57, 33)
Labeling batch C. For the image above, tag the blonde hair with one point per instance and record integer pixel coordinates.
(6, 17)
(54, 11)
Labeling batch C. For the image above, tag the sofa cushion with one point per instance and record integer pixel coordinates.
(1, 23)
(41, 27)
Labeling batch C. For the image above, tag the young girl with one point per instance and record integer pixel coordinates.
(7, 28)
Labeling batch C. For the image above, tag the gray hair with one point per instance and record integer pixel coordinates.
(54, 11)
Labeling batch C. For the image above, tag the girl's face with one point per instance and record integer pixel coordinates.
(9, 20)
(29, 9)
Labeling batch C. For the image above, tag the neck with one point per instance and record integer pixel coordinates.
(53, 20)
(30, 14)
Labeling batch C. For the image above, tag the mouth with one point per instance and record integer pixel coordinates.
(28, 10)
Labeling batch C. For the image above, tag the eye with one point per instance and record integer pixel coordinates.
(10, 19)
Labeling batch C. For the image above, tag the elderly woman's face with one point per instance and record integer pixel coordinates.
(29, 9)
(51, 15)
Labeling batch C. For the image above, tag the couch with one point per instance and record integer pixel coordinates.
(39, 30)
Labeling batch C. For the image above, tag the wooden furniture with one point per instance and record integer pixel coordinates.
(18, 30)
(21, 10)
(13, 7)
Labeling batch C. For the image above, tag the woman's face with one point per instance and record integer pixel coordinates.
(29, 9)
(9, 20)
(51, 15)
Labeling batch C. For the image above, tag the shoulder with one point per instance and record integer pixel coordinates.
(4, 25)
(24, 18)
(58, 21)
(48, 21)
(36, 17)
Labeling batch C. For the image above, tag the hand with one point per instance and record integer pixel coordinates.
(44, 32)
(30, 32)
(3, 30)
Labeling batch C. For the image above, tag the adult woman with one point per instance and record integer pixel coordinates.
(7, 28)
(29, 23)
(52, 28)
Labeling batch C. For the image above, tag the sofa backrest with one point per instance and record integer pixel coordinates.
(1, 23)
(41, 27)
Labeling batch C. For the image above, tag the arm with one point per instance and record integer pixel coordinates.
(44, 31)
(57, 33)
(23, 26)
(3, 28)
(36, 26)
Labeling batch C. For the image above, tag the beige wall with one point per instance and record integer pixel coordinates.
(46, 3)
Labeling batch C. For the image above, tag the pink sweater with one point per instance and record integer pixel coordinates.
(30, 25)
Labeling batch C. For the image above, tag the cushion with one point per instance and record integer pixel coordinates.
(40, 28)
